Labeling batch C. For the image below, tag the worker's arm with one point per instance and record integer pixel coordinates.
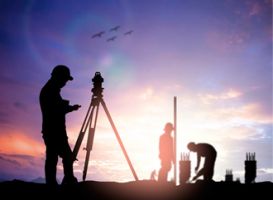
(173, 153)
(161, 146)
(198, 162)
(68, 108)
(200, 173)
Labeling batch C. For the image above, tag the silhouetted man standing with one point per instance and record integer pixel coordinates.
(209, 153)
(54, 109)
(166, 153)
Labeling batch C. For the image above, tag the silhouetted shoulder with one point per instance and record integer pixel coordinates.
(205, 149)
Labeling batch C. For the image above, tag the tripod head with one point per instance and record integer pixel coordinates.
(97, 85)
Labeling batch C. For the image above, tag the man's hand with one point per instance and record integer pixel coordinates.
(76, 107)
(194, 178)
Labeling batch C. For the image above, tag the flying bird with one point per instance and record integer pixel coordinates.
(111, 39)
(114, 28)
(98, 34)
(129, 32)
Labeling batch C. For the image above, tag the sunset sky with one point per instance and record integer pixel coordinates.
(214, 55)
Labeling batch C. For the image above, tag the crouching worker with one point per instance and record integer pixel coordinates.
(208, 152)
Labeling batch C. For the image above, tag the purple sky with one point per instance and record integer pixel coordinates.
(214, 55)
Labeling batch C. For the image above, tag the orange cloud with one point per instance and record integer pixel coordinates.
(19, 143)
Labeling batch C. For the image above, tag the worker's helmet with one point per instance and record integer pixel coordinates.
(61, 71)
(168, 127)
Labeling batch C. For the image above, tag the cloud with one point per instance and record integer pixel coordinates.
(4, 118)
(263, 174)
(262, 95)
(20, 166)
(237, 31)
(15, 109)
(226, 41)
(20, 143)
(11, 161)
(265, 171)
(20, 105)
(249, 9)
(235, 106)
(255, 9)
(238, 132)
(146, 94)
(246, 113)
(106, 163)
(226, 95)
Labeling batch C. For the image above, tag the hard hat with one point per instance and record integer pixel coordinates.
(61, 71)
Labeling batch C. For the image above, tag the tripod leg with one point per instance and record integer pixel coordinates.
(85, 165)
(119, 139)
(90, 140)
(82, 131)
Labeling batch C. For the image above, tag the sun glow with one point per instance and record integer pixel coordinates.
(141, 119)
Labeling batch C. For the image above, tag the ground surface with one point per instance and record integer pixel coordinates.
(146, 190)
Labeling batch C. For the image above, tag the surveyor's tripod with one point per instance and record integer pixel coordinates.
(90, 122)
